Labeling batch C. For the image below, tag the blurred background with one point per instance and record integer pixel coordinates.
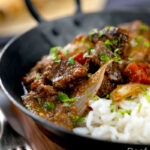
(15, 18)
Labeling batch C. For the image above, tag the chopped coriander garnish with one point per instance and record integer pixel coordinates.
(117, 57)
(147, 98)
(130, 59)
(67, 105)
(39, 100)
(130, 98)
(140, 106)
(85, 55)
(143, 27)
(89, 75)
(112, 106)
(38, 75)
(28, 107)
(71, 61)
(144, 90)
(49, 105)
(122, 112)
(96, 98)
(89, 95)
(147, 44)
(54, 51)
(57, 59)
(90, 50)
(91, 33)
(107, 44)
(100, 34)
(64, 98)
(138, 38)
(104, 57)
(71, 116)
(116, 51)
(109, 27)
(83, 40)
(80, 120)
(115, 42)
(66, 51)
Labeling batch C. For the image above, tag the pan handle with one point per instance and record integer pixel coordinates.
(38, 18)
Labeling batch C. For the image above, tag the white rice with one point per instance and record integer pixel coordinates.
(104, 124)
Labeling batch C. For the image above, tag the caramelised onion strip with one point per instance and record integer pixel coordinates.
(127, 90)
(88, 89)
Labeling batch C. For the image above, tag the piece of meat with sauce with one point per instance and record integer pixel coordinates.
(139, 41)
(42, 100)
(65, 75)
(113, 37)
(113, 75)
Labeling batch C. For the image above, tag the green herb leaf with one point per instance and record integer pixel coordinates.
(38, 75)
(140, 106)
(107, 44)
(91, 33)
(122, 112)
(83, 40)
(67, 105)
(138, 38)
(96, 98)
(130, 98)
(147, 98)
(109, 27)
(80, 120)
(28, 107)
(130, 59)
(66, 51)
(57, 59)
(54, 51)
(147, 44)
(89, 95)
(85, 55)
(71, 116)
(143, 27)
(100, 34)
(64, 98)
(39, 100)
(115, 42)
(144, 90)
(112, 106)
(71, 61)
(49, 105)
(104, 57)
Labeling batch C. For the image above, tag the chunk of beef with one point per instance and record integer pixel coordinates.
(114, 37)
(65, 75)
(136, 28)
(38, 68)
(139, 41)
(113, 74)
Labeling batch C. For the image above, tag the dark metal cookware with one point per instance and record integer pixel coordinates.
(23, 52)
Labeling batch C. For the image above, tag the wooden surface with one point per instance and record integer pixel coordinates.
(15, 18)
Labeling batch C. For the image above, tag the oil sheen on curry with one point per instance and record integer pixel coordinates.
(61, 84)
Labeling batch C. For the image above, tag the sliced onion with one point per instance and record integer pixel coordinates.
(88, 89)
(127, 90)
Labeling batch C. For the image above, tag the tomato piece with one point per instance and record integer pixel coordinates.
(139, 73)
(80, 59)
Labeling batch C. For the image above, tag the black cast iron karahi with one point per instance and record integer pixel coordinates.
(23, 52)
